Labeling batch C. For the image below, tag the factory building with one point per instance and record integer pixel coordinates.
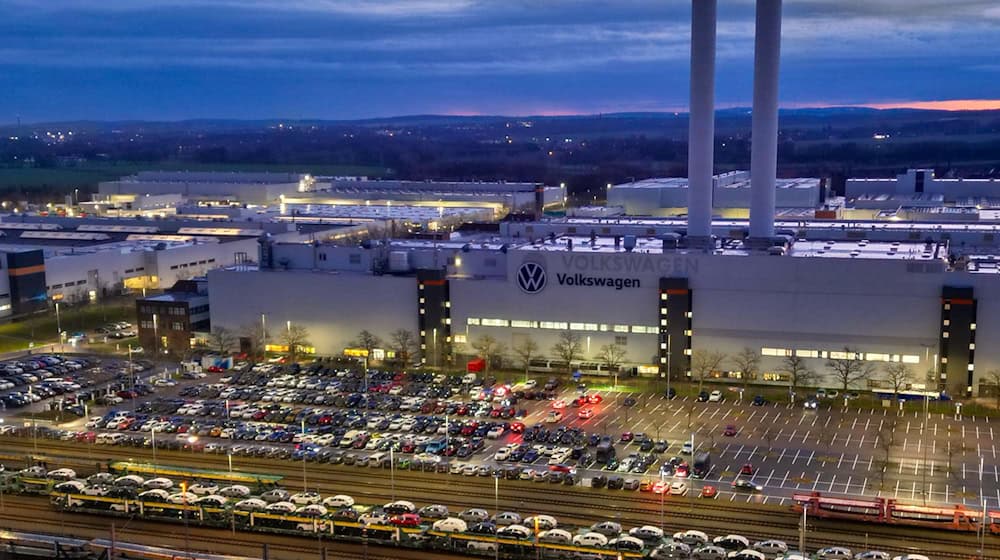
(245, 187)
(730, 195)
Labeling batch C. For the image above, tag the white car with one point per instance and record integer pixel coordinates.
(646, 533)
(590, 539)
(155, 495)
(691, 537)
(872, 555)
(772, 547)
(204, 488)
(556, 536)
(678, 489)
(450, 525)
(182, 498)
(312, 510)
(235, 491)
(159, 483)
(507, 518)
(715, 396)
(305, 498)
(373, 519)
(61, 474)
(212, 500)
(544, 522)
(251, 504)
(339, 501)
(70, 487)
(281, 507)
(911, 557)
(834, 553)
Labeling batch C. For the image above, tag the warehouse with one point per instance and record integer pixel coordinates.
(246, 187)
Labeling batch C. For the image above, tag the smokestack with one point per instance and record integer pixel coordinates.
(764, 146)
(701, 122)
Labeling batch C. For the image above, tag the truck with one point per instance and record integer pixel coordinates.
(702, 464)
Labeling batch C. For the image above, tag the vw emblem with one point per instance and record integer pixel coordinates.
(531, 277)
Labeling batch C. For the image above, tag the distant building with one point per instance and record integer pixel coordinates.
(167, 322)
(924, 182)
(730, 191)
(247, 187)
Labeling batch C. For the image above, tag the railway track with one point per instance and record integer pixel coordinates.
(756, 521)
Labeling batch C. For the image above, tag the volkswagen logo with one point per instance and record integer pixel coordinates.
(531, 277)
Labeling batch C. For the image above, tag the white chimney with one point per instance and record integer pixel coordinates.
(764, 146)
(701, 123)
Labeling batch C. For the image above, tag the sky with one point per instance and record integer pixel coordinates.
(346, 59)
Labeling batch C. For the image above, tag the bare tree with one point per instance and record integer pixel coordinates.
(367, 341)
(488, 349)
(404, 344)
(612, 356)
(257, 337)
(850, 368)
(799, 374)
(884, 444)
(222, 340)
(295, 337)
(526, 350)
(568, 348)
(993, 377)
(703, 363)
(747, 362)
(769, 436)
(898, 375)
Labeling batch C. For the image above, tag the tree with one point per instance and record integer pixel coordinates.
(256, 336)
(404, 344)
(526, 350)
(849, 368)
(898, 376)
(222, 340)
(799, 374)
(295, 337)
(568, 348)
(703, 363)
(993, 377)
(488, 349)
(368, 341)
(747, 362)
(612, 356)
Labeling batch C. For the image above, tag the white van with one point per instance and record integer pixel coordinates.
(450, 525)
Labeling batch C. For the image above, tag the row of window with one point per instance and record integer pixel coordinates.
(67, 284)
(561, 325)
(132, 270)
(192, 263)
(841, 355)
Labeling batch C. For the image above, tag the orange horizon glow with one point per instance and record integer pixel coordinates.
(949, 105)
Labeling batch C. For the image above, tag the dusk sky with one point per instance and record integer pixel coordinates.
(176, 59)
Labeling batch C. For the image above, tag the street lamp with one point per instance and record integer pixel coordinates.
(58, 321)
(191, 441)
(304, 485)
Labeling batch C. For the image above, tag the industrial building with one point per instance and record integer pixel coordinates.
(245, 187)
(167, 322)
(918, 195)
(730, 195)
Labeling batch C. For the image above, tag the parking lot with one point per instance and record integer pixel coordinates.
(322, 413)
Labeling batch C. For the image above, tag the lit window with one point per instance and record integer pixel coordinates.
(873, 357)
(688, 332)
(576, 326)
(972, 327)
(621, 328)
(841, 356)
(460, 339)
(944, 334)
(807, 353)
(641, 329)
(944, 359)
(911, 359)
(495, 322)
(972, 367)
(604, 328)
(688, 314)
(472, 321)
(947, 322)
(447, 320)
(663, 322)
(524, 324)
(972, 346)
(663, 296)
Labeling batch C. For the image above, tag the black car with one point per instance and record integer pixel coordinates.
(671, 393)
(599, 481)
(703, 396)
(616, 483)
(759, 400)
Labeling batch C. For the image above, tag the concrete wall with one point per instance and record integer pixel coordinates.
(333, 307)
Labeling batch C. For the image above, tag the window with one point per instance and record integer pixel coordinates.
(173, 267)
(807, 353)
(322, 256)
(774, 376)
(621, 340)
(782, 352)
(495, 323)
(873, 357)
(524, 324)
(461, 339)
(178, 326)
(472, 321)
(621, 328)
(80, 282)
(558, 325)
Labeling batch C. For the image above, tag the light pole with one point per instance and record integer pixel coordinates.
(496, 509)
(156, 336)
(152, 440)
(229, 456)
(192, 440)
(263, 334)
(304, 486)
(668, 366)
(58, 321)
(392, 472)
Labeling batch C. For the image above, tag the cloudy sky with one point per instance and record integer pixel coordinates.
(174, 59)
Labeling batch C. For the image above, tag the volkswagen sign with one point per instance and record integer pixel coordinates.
(531, 277)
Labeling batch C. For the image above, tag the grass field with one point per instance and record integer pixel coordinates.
(41, 329)
(86, 176)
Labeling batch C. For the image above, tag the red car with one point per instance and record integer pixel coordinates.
(661, 487)
(586, 413)
(517, 427)
(709, 491)
(215, 369)
(747, 469)
(405, 520)
(594, 399)
(682, 470)
(730, 430)
(559, 404)
(627, 436)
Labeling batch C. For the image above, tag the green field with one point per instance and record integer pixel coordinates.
(41, 329)
(86, 176)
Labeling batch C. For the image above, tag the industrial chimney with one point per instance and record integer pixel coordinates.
(764, 141)
(701, 121)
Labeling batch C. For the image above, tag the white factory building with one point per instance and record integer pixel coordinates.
(730, 195)
(245, 187)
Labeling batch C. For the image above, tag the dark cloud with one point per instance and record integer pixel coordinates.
(346, 58)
